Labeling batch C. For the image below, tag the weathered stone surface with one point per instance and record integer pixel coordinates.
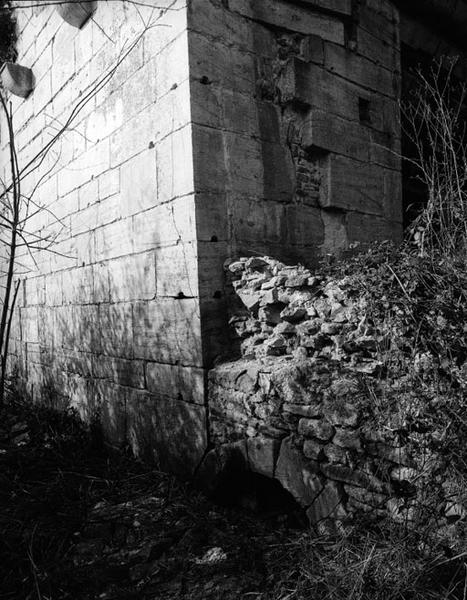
(111, 400)
(167, 330)
(403, 474)
(124, 372)
(331, 328)
(296, 18)
(335, 454)
(300, 353)
(303, 410)
(273, 283)
(247, 380)
(297, 280)
(170, 432)
(293, 314)
(308, 328)
(327, 505)
(312, 449)
(175, 381)
(250, 299)
(341, 413)
(229, 374)
(285, 328)
(366, 496)
(296, 474)
(352, 477)
(271, 313)
(271, 296)
(262, 455)
(336, 136)
(257, 264)
(236, 267)
(346, 438)
(316, 428)
(276, 344)
(322, 307)
(339, 315)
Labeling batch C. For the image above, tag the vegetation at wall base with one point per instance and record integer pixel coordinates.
(80, 522)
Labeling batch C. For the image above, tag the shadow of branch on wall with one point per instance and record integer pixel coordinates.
(131, 365)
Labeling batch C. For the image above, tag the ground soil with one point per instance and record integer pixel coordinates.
(80, 522)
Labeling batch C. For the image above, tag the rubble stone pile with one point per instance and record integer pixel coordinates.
(296, 406)
(289, 311)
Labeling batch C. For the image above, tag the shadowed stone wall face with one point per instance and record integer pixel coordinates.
(110, 322)
(295, 123)
(295, 132)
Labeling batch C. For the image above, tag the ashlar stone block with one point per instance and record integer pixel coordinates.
(170, 432)
(176, 381)
(297, 474)
(132, 277)
(282, 14)
(168, 330)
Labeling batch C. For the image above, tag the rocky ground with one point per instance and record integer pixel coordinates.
(79, 523)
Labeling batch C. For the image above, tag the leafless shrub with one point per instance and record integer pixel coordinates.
(435, 124)
(18, 209)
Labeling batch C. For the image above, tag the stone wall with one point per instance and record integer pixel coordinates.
(295, 132)
(297, 405)
(233, 127)
(295, 123)
(109, 321)
(211, 138)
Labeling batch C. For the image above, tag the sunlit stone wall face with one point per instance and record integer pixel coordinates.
(109, 321)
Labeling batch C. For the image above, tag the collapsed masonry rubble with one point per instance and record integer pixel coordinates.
(297, 405)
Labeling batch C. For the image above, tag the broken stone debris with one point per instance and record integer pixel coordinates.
(306, 345)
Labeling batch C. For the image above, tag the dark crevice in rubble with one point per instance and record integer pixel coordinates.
(258, 494)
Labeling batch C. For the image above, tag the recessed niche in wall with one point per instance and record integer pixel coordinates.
(364, 113)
